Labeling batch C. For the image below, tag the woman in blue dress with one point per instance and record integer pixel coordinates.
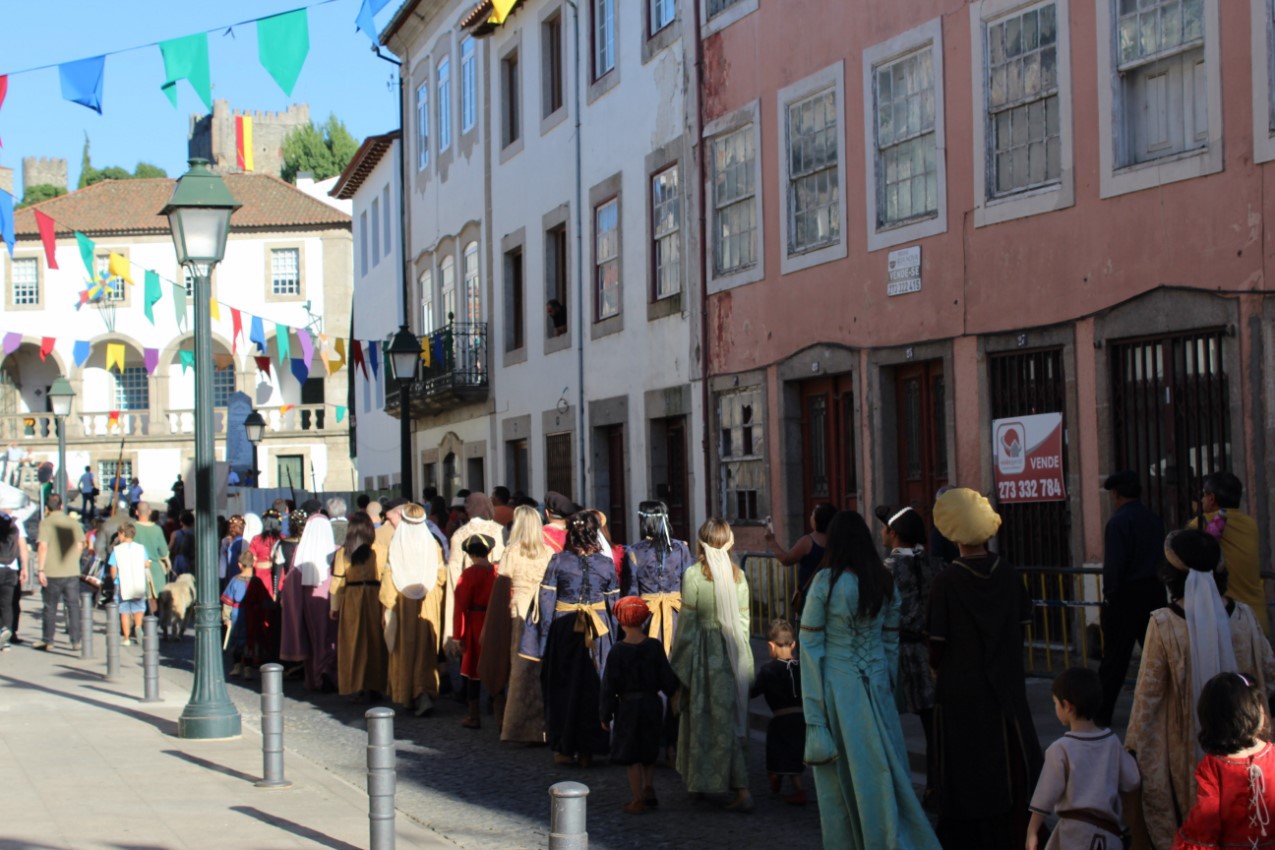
(653, 569)
(570, 632)
(849, 662)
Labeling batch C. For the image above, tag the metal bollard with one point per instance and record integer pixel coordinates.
(86, 624)
(381, 777)
(150, 658)
(272, 727)
(568, 802)
(112, 639)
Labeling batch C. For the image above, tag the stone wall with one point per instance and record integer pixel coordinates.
(38, 170)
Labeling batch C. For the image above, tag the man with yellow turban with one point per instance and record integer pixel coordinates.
(989, 755)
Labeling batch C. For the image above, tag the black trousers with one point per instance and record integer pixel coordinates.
(1124, 622)
(9, 596)
(67, 590)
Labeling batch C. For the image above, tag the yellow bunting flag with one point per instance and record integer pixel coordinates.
(340, 354)
(115, 356)
(501, 10)
(214, 309)
(285, 408)
(117, 266)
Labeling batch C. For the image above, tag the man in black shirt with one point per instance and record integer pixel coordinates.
(1133, 552)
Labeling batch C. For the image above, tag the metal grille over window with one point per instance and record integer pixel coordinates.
(813, 192)
(735, 222)
(607, 258)
(1160, 54)
(666, 211)
(285, 271)
(907, 171)
(1022, 66)
(132, 389)
(26, 282)
(558, 464)
(739, 416)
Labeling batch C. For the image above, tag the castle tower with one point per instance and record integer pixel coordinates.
(212, 137)
(42, 170)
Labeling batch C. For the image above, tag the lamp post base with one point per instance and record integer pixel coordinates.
(209, 722)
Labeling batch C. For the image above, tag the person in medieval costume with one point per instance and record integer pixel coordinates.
(412, 587)
(479, 509)
(354, 595)
(312, 564)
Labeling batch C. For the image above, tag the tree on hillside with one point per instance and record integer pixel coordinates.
(40, 192)
(145, 169)
(90, 175)
(322, 152)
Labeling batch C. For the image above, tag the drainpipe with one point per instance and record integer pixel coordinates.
(704, 238)
(582, 498)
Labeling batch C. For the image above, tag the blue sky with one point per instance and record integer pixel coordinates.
(340, 76)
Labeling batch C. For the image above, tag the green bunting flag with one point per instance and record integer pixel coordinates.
(282, 44)
(86, 253)
(153, 292)
(282, 345)
(188, 359)
(179, 304)
(186, 58)
(340, 412)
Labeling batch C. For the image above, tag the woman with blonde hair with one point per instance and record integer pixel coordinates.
(521, 572)
(713, 659)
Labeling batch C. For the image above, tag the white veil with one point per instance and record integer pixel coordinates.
(738, 650)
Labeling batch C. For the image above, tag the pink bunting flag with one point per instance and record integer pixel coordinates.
(4, 89)
(11, 342)
(263, 365)
(46, 347)
(307, 346)
(48, 237)
(150, 357)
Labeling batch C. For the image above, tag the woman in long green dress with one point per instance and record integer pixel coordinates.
(849, 663)
(714, 662)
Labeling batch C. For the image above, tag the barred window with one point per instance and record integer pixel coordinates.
(285, 271)
(26, 281)
(223, 385)
(132, 389)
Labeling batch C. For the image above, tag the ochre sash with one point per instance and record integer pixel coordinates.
(588, 621)
(663, 606)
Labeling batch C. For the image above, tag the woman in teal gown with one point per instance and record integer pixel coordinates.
(849, 662)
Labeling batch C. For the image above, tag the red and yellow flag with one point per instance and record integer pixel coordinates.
(243, 141)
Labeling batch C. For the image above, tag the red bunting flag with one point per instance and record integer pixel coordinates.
(263, 365)
(236, 321)
(46, 347)
(285, 408)
(4, 88)
(357, 348)
(48, 237)
(113, 419)
(84, 297)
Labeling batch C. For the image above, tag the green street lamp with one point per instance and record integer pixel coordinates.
(405, 353)
(199, 217)
(254, 425)
(60, 397)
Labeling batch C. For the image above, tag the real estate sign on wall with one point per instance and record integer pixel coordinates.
(1029, 458)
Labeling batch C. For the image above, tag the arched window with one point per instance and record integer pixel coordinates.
(447, 269)
(473, 292)
(426, 280)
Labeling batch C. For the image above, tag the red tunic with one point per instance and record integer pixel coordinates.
(555, 537)
(473, 594)
(1224, 803)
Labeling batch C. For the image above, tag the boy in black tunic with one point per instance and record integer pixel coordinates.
(779, 681)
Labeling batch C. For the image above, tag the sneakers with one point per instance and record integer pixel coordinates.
(126, 642)
(6, 635)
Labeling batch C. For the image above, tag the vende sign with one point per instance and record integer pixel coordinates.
(1029, 452)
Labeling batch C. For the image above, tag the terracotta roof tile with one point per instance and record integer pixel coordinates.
(364, 161)
(132, 206)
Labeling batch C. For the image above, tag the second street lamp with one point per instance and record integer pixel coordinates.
(199, 216)
(254, 426)
(60, 397)
(405, 353)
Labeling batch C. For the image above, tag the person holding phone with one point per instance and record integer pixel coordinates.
(807, 552)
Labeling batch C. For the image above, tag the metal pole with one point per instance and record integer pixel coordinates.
(112, 639)
(405, 436)
(381, 777)
(150, 658)
(60, 425)
(209, 713)
(567, 815)
(86, 624)
(272, 727)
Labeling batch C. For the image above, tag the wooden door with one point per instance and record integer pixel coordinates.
(677, 499)
(920, 394)
(617, 501)
(829, 438)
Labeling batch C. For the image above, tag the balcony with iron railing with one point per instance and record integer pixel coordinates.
(36, 431)
(454, 372)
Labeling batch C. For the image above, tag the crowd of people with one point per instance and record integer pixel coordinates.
(641, 653)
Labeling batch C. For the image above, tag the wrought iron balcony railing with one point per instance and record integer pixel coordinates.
(454, 371)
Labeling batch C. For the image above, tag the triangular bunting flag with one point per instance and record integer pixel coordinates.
(339, 349)
(282, 345)
(439, 350)
(179, 306)
(150, 356)
(153, 292)
(282, 44)
(236, 329)
(49, 237)
(307, 346)
(500, 10)
(357, 353)
(258, 334)
(374, 357)
(300, 370)
(340, 413)
(12, 341)
(115, 356)
(263, 364)
(86, 253)
(80, 353)
(82, 81)
(46, 347)
(117, 266)
(425, 352)
(113, 419)
(7, 233)
(214, 309)
(223, 361)
(4, 87)
(364, 20)
(186, 58)
(283, 409)
(187, 359)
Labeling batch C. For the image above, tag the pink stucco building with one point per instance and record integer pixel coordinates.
(1084, 182)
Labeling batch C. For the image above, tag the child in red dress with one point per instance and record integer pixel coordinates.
(1236, 777)
(473, 593)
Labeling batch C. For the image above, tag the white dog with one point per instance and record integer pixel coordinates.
(177, 606)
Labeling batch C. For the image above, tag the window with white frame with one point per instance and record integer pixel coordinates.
(1024, 134)
(363, 244)
(285, 271)
(223, 385)
(813, 184)
(422, 126)
(1162, 79)
(132, 389)
(26, 282)
(376, 231)
(113, 287)
(107, 469)
(510, 99)
(444, 89)
(606, 258)
(741, 454)
(385, 225)
(473, 288)
(426, 281)
(734, 207)
(662, 14)
(666, 233)
(906, 143)
(447, 275)
(603, 37)
(468, 85)
(551, 66)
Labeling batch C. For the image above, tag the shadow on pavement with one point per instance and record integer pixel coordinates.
(211, 765)
(167, 727)
(294, 828)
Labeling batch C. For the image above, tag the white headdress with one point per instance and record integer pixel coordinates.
(413, 554)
